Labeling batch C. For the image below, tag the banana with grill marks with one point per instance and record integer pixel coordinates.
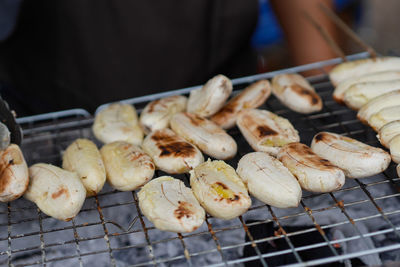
(219, 189)
(314, 173)
(251, 97)
(205, 134)
(127, 166)
(207, 100)
(170, 205)
(266, 131)
(296, 93)
(355, 158)
(57, 192)
(170, 152)
(157, 114)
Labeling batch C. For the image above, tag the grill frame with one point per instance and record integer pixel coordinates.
(53, 131)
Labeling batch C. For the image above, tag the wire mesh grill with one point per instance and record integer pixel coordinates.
(360, 221)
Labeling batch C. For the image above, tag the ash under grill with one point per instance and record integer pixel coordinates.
(358, 224)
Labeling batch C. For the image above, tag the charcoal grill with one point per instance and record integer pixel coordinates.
(360, 221)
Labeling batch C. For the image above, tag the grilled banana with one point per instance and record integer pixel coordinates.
(14, 176)
(341, 88)
(268, 180)
(127, 166)
(83, 157)
(207, 100)
(360, 94)
(394, 147)
(314, 173)
(251, 97)
(170, 152)
(387, 100)
(265, 131)
(205, 134)
(355, 158)
(388, 131)
(57, 192)
(384, 116)
(170, 205)
(118, 122)
(157, 114)
(219, 189)
(360, 67)
(296, 93)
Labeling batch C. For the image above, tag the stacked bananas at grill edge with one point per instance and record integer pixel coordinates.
(174, 133)
(372, 87)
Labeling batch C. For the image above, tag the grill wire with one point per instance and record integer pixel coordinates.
(110, 229)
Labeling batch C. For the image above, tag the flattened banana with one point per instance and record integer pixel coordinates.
(219, 189)
(296, 93)
(394, 147)
(14, 176)
(207, 100)
(360, 94)
(127, 166)
(170, 205)
(157, 114)
(170, 152)
(83, 157)
(205, 134)
(387, 100)
(268, 180)
(356, 159)
(341, 88)
(57, 192)
(266, 131)
(364, 66)
(384, 116)
(251, 97)
(314, 173)
(118, 122)
(388, 131)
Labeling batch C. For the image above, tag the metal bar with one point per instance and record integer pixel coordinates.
(340, 205)
(343, 26)
(253, 244)
(185, 250)
(42, 245)
(52, 115)
(106, 237)
(283, 232)
(281, 252)
(149, 246)
(76, 237)
(265, 239)
(9, 233)
(229, 228)
(319, 228)
(379, 209)
(214, 237)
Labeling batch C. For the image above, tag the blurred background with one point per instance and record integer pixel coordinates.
(376, 22)
(57, 55)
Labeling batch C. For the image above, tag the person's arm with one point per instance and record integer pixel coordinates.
(305, 43)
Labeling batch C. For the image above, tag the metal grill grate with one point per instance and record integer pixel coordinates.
(362, 220)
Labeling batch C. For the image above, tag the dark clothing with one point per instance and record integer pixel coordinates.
(78, 53)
